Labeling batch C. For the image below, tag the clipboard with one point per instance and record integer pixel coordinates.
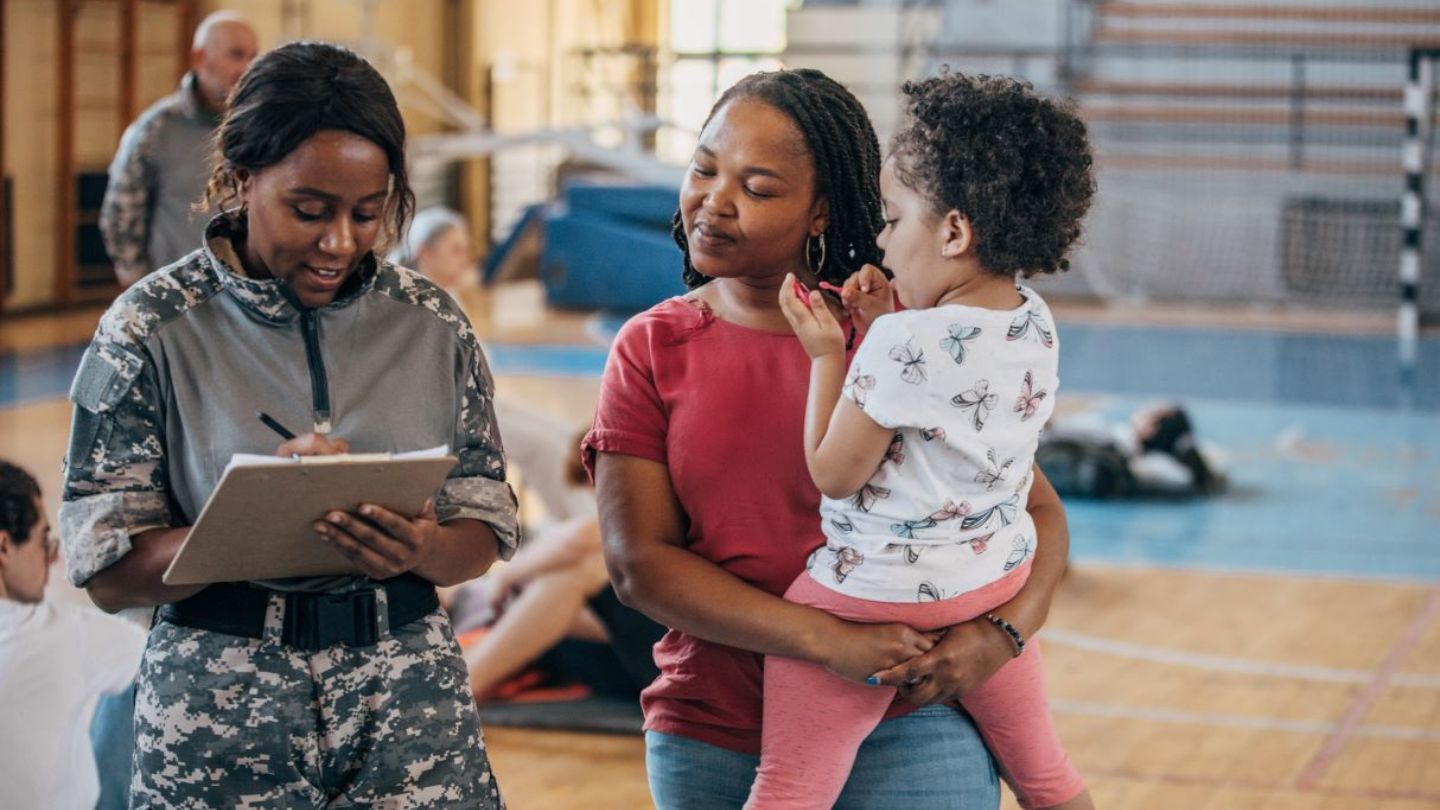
(258, 521)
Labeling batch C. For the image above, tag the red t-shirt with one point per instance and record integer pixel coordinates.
(723, 407)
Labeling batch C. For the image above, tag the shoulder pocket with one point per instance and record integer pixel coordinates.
(107, 371)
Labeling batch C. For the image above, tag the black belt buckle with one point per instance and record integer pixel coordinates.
(314, 621)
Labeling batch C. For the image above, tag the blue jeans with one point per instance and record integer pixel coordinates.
(112, 735)
(929, 759)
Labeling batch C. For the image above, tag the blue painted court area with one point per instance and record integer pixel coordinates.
(37, 376)
(1315, 489)
(1334, 464)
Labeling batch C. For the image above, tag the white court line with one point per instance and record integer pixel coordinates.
(1124, 712)
(1239, 666)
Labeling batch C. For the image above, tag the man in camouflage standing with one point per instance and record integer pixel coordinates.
(163, 161)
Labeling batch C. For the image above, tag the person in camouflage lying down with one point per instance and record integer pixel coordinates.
(320, 691)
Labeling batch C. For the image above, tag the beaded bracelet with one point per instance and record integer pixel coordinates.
(1010, 631)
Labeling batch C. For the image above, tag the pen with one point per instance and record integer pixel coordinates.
(275, 426)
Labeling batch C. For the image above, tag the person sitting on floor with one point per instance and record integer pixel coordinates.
(552, 604)
(55, 662)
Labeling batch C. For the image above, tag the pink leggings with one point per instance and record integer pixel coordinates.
(815, 721)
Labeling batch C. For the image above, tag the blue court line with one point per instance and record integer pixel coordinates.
(546, 360)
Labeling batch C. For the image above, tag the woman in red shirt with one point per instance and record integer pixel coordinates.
(706, 506)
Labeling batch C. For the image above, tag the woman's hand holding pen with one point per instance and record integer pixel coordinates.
(381, 542)
(313, 444)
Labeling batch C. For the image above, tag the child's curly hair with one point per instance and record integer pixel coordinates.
(1016, 164)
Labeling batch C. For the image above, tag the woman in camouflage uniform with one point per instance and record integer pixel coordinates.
(323, 691)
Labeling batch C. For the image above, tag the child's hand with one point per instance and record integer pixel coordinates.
(866, 296)
(805, 309)
(866, 649)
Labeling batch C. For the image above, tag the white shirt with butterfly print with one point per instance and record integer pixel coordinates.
(967, 391)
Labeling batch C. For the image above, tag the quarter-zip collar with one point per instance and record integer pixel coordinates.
(270, 300)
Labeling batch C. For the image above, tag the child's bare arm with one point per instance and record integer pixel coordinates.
(843, 446)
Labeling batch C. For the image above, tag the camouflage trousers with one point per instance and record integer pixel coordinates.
(226, 721)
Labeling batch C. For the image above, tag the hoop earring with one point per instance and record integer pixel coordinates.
(820, 267)
(238, 212)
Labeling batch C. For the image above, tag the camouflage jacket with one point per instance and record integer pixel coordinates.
(168, 389)
(159, 172)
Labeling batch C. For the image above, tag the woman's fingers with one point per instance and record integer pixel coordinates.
(369, 560)
(342, 525)
(397, 527)
(313, 444)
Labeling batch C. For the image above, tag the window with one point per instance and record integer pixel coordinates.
(711, 45)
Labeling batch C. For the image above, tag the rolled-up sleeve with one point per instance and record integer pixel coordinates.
(115, 475)
(476, 488)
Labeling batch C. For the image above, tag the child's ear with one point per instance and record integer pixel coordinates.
(7, 547)
(958, 234)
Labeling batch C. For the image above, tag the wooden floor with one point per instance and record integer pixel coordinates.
(1172, 688)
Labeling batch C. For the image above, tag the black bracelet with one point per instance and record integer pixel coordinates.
(1010, 631)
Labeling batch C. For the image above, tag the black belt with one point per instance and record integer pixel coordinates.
(313, 621)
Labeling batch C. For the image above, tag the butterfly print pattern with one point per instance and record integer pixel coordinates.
(912, 362)
(955, 343)
(928, 592)
(931, 434)
(846, 561)
(859, 385)
(1030, 320)
(979, 401)
(896, 452)
(1004, 512)
(906, 529)
(1023, 547)
(1029, 399)
(980, 544)
(865, 499)
(996, 472)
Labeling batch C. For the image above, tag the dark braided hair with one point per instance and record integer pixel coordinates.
(1016, 164)
(18, 492)
(846, 154)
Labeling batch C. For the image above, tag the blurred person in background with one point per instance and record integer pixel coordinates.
(438, 247)
(147, 218)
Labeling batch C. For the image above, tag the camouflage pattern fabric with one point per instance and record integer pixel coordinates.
(224, 721)
(131, 465)
(159, 172)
